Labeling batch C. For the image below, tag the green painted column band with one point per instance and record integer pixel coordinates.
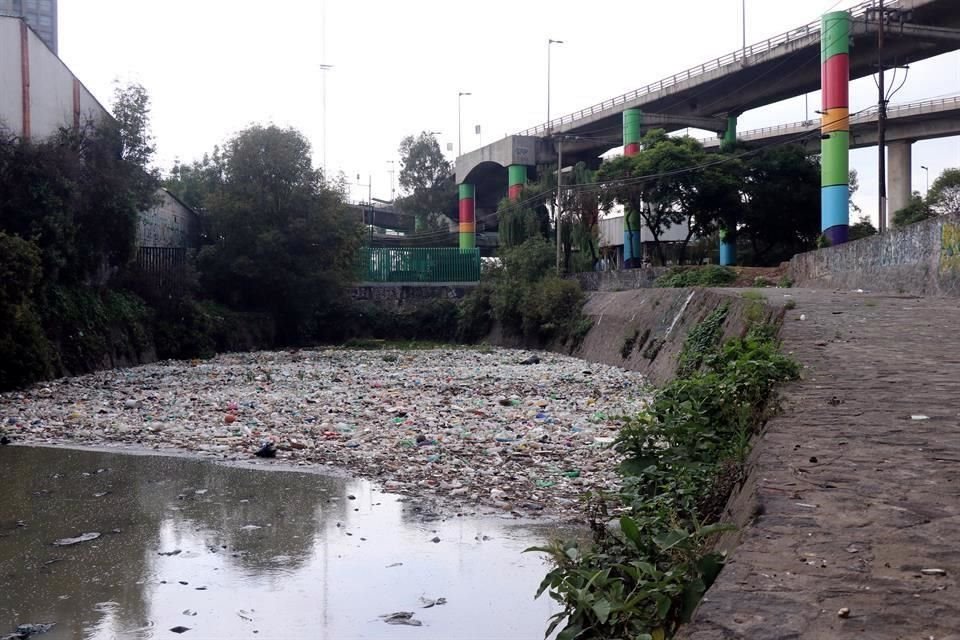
(516, 174)
(468, 241)
(467, 191)
(730, 135)
(835, 35)
(835, 159)
(632, 126)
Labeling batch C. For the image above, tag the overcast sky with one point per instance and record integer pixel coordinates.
(214, 66)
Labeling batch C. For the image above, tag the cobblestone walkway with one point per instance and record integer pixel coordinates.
(856, 505)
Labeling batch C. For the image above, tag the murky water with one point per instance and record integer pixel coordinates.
(231, 552)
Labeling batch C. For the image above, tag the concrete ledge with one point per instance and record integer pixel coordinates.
(921, 259)
(623, 280)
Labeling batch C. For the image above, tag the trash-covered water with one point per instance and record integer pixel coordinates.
(197, 549)
(477, 427)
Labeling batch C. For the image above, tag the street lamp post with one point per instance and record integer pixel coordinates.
(324, 68)
(393, 173)
(459, 120)
(550, 44)
(743, 14)
(926, 170)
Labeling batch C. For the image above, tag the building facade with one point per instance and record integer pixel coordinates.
(38, 93)
(41, 15)
(170, 224)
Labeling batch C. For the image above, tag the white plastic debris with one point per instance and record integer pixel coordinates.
(475, 425)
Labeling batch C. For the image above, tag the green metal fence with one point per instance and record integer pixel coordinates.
(418, 265)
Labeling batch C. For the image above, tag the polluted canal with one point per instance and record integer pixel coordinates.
(401, 492)
(111, 545)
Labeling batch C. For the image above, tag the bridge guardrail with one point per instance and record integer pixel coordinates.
(731, 58)
(866, 114)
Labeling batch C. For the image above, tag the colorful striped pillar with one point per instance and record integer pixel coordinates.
(517, 176)
(728, 229)
(468, 224)
(632, 245)
(835, 127)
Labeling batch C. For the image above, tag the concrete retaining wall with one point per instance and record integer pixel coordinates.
(625, 280)
(921, 259)
(656, 323)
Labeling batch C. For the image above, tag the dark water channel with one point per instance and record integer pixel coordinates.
(230, 552)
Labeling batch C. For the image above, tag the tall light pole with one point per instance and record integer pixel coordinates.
(324, 68)
(550, 44)
(459, 120)
(393, 173)
(743, 14)
(927, 171)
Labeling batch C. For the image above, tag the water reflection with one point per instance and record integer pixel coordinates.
(231, 553)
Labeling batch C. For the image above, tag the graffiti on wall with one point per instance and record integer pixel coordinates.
(950, 247)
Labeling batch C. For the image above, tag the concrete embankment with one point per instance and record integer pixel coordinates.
(849, 513)
(644, 330)
(922, 259)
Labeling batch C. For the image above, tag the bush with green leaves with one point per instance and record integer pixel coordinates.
(24, 350)
(708, 276)
(645, 573)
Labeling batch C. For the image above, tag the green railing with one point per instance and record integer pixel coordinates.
(418, 265)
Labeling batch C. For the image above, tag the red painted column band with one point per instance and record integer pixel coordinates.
(25, 77)
(836, 82)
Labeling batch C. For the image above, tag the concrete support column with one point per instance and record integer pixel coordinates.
(835, 128)
(632, 245)
(899, 177)
(728, 226)
(517, 177)
(468, 224)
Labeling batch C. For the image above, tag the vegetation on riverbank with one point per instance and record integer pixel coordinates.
(651, 559)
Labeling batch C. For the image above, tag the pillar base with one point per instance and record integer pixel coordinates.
(839, 234)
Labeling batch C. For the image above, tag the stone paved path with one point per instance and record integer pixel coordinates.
(856, 486)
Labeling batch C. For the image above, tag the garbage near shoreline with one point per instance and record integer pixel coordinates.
(476, 426)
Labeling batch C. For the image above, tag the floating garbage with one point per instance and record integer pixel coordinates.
(449, 422)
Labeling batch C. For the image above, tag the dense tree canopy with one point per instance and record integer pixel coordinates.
(944, 196)
(284, 240)
(427, 178)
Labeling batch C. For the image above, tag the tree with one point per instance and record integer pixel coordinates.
(917, 211)
(580, 209)
(131, 110)
(782, 195)
(194, 183)
(944, 195)
(854, 186)
(285, 240)
(428, 179)
(653, 186)
(862, 229)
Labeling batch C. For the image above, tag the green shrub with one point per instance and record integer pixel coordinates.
(646, 573)
(708, 276)
(475, 315)
(25, 354)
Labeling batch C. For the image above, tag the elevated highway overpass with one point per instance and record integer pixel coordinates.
(707, 95)
(906, 124)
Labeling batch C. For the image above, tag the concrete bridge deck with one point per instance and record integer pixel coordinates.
(911, 122)
(778, 68)
(855, 488)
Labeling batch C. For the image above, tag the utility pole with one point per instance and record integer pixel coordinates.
(882, 119)
(559, 200)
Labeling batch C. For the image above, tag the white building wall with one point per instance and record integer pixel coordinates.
(51, 86)
(11, 97)
(611, 232)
